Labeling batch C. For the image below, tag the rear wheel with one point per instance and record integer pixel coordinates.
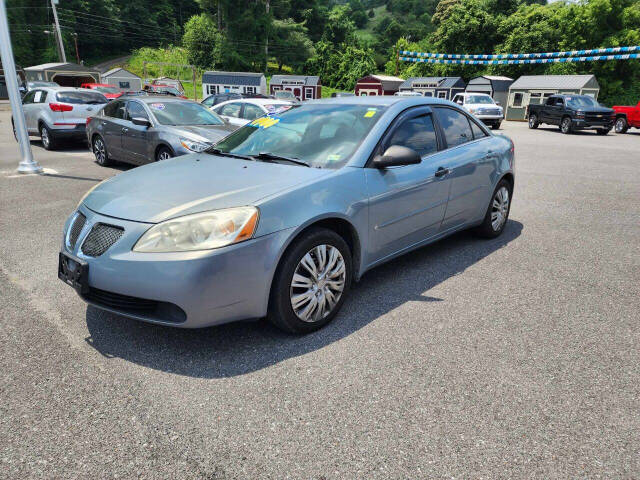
(497, 212)
(48, 141)
(163, 153)
(533, 121)
(621, 125)
(100, 151)
(496, 126)
(565, 126)
(311, 282)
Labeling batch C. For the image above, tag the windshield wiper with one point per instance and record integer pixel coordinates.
(217, 151)
(273, 157)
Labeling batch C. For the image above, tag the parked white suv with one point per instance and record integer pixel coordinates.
(56, 113)
(243, 110)
(482, 106)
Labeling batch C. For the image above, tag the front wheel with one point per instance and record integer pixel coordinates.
(495, 126)
(311, 282)
(163, 154)
(603, 131)
(565, 126)
(621, 125)
(497, 212)
(533, 121)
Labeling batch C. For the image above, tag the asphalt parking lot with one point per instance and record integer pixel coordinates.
(510, 358)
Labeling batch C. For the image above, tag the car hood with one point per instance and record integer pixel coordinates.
(191, 184)
(204, 133)
(597, 110)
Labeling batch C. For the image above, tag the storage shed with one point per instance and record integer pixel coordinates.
(64, 74)
(304, 87)
(439, 87)
(377, 85)
(536, 89)
(496, 87)
(236, 82)
(122, 79)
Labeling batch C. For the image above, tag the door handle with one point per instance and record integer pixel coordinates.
(441, 172)
(125, 129)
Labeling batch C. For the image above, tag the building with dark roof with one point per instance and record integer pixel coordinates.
(377, 85)
(64, 74)
(303, 87)
(494, 86)
(439, 87)
(236, 82)
(535, 89)
(122, 79)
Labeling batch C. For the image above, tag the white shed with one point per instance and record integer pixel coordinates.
(122, 79)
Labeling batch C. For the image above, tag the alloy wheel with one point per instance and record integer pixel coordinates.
(44, 136)
(99, 151)
(164, 155)
(621, 124)
(532, 121)
(317, 284)
(566, 125)
(499, 208)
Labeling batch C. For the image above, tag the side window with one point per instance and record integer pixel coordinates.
(208, 102)
(110, 109)
(28, 98)
(135, 109)
(230, 110)
(251, 112)
(126, 85)
(121, 111)
(477, 131)
(40, 96)
(517, 99)
(559, 101)
(551, 101)
(416, 133)
(455, 126)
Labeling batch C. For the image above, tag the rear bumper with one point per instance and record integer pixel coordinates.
(68, 131)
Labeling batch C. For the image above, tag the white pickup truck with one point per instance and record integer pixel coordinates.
(482, 106)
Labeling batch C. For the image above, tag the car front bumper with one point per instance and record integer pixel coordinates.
(490, 118)
(181, 289)
(584, 124)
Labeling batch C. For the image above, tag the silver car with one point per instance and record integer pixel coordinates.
(140, 130)
(282, 215)
(60, 113)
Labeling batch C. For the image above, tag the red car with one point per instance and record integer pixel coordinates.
(626, 117)
(108, 91)
(164, 90)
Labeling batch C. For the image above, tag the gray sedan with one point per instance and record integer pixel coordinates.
(140, 130)
(285, 213)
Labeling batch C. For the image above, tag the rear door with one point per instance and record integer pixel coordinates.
(112, 122)
(251, 112)
(231, 112)
(135, 139)
(469, 161)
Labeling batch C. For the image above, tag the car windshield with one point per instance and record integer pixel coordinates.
(171, 90)
(107, 89)
(43, 84)
(480, 99)
(581, 102)
(322, 135)
(183, 113)
(81, 98)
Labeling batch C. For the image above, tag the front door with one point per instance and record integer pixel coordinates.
(111, 124)
(29, 107)
(135, 137)
(406, 203)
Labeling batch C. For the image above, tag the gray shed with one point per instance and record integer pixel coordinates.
(64, 74)
(496, 87)
(237, 82)
(122, 79)
(535, 89)
(439, 87)
(304, 87)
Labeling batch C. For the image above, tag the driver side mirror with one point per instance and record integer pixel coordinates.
(460, 101)
(498, 103)
(395, 156)
(141, 122)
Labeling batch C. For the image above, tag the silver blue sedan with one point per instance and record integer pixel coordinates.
(280, 217)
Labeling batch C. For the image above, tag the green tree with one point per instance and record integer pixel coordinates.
(202, 41)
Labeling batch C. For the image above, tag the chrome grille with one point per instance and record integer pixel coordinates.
(100, 238)
(75, 229)
(489, 111)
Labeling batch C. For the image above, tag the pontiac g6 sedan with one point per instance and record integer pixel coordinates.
(280, 217)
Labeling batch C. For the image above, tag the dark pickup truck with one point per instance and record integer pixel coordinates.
(572, 112)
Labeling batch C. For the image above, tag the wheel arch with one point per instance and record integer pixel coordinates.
(162, 145)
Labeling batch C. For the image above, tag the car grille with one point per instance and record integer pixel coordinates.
(153, 309)
(76, 228)
(597, 117)
(100, 238)
(489, 111)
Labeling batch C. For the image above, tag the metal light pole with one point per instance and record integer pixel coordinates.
(27, 164)
(75, 39)
(63, 55)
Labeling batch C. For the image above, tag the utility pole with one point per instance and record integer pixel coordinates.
(75, 39)
(266, 43)
(63, 56)
(27, 164)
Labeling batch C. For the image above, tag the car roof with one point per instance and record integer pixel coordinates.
(256, 101)
(381, 100)
(162, 98)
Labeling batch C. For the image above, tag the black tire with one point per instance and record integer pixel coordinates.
(621, 125)
(533, 121)
(163, 153)
(566, 125)
(281, 312)
(486, 229)
(495, 126)
(603, 131)
(48, 140)
(99, 149)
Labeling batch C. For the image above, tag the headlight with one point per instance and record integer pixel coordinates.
(200, 231)
(193, 145)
